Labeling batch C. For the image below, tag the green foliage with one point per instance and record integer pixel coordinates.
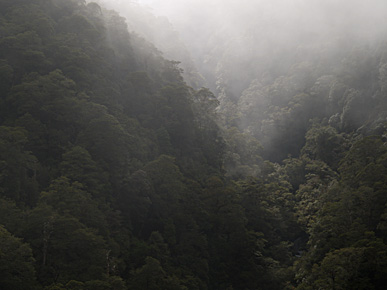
(16, 263)
(243, 154)
(6, 76)
(152, 276)
(71, 199)
(17, 166)
(118, 175)
(348, 214)
(86, 109)
(111, 283)
(325, 144)
(78, 165)
(64, 248)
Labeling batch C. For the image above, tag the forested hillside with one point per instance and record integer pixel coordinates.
(118, 172)
(307, 82)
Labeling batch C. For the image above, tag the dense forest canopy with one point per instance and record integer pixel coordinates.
(193, 144)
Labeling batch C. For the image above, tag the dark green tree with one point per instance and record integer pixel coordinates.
(16, 263)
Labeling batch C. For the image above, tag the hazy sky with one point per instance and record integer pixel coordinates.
(364, 18)
(242, 29)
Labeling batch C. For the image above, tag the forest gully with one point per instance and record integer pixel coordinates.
(193, 144)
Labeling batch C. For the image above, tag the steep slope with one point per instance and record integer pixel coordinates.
(307, 80)
(111, 166)
(271, 60)
(114, 174)
(159, 31)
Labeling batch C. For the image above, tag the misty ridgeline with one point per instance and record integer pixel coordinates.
(193, 144)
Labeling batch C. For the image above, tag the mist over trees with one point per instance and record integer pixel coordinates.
(257, 55)
(193, 144)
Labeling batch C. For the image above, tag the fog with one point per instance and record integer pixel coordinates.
(317, 15)
(258, 31)
(280, 18)
(258, 56)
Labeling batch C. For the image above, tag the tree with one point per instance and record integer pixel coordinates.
(6, 78)
(64, 248)
(78, 165)
(71, 199)
(16, 263)
(152, 276)
(134, 200)
(325, 144)
(17, 166)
